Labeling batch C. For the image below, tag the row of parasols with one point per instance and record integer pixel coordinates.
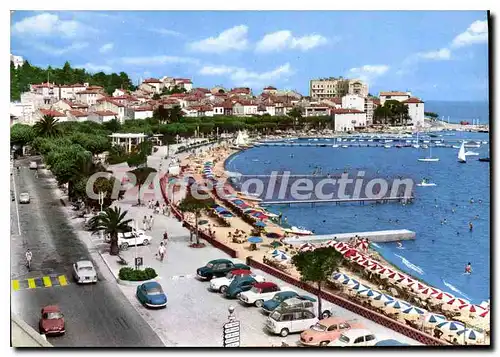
(409, 312)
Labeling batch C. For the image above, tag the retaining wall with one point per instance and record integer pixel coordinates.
(349, 305)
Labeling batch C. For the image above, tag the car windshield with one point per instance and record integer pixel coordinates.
(209, 265)
(86, 268)
(155, 291)
(344, 338)
(53, 315)
(278, 298)
(256, 290)
(275, 316)
(319, 327)
(229, 275)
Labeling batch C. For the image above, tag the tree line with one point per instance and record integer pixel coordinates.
(23, 76)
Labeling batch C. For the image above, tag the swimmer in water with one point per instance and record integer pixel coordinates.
(470, 226)
(444, 221)
(399, 245)
(472, 200)
(452, 210)
(468, 268)
(480, 201)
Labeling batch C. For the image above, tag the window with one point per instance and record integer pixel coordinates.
(359, 340)
(369, 338)
(287, 317)
(332, 328)
(308, 315)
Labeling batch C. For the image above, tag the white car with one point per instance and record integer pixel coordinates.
(355, 338)
(261, 292)
(24, 197)
(128, 239)
(283, 322)
(84, 272)
(33, 165)
(221, 284)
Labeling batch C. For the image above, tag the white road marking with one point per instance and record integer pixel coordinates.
(17, 206)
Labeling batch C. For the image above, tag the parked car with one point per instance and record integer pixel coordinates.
(84, 272)
(271, 305)
(282, 322)
(33, 165)
(240, 285)
(218, 268)
(12, 196)
(51, 321)
(327, 330)
(355, 338)
(261, 292)
(128, 239)
(303, 304)
(221, 284)
(392, 343)
(151, 294)
(24, 197)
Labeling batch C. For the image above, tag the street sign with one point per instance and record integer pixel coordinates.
(231, 334)
(138, 262)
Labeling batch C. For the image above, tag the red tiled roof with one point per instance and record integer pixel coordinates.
(51, 112)
(412, 100)
(75, 105)
(44, 85)
(94, 87)
(226, 105)
(143, 109)
(203, 90)
(110, 100)
(240, 90)
(182, 80)
(104, 113)
(178, 95)
(88, 91)
(270, 88)
(151, 80)
(78, 113)
(393, 93)
(78, 85)
(345, 111)
(220, 95)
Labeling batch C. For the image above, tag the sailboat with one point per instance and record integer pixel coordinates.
(461, 154)
(429, 158)
(335, 145)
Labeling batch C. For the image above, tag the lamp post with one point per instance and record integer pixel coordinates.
(231, 330)
(101, 199)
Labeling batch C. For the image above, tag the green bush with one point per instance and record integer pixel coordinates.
(132, 274)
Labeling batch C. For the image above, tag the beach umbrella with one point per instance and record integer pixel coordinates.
(413, 313)
(350, 253)
(395, 306)
(260, 224)
(339, 277)
(368, 293)
(441, 297)
(350, 282)
(416, 286)
(450, 326)
(471, 310)
(381, 299)
(330, 243)
(357, 287)
(255, 240)
(454, 304)
(427, 292)
(470, 336)
(384, 271)
(374, 267)
(202, 222)
(405, 282)
(485, 315)
(395, 276)
(275, 244)
(363, 245)
(339, 245)
(433, 319)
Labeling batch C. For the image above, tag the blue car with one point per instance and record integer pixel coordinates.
(271, 305)
(239, 285)
(151, 295)
(391, 343)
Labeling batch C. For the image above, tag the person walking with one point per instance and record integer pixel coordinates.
(161, 251)
(145, 223)
(151, 221)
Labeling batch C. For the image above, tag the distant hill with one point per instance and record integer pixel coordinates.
(23, 76)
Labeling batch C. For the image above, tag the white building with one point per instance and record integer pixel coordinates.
(185, 83)
(23, 111)
(102, 116)
(315, 110)
(40, 113)
(77, 115)
(348, 119)
(416, 111)
(18, 60)
(139, 112)
(156, 84)
(89, 97)
(107, 104)
(353, 101)
(399, 96)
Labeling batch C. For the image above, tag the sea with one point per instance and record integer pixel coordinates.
(460, 111)
(439, 215)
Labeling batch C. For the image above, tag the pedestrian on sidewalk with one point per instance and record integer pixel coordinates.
(161, 251)
(145, 223)
(151, 221)
(165, 238)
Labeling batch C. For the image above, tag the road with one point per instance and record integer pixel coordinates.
(96, 315)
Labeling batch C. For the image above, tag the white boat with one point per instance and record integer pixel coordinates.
(472, 145)
(456, 147)
(298, 231)
(425, 146)
(485, 142)
(471, 153)
(345, 146)
(461, 154)
(424, 183)
(370, 140)
(426, 141)
(335, 145)
(387, 146)
(360, 140)
(388, 141)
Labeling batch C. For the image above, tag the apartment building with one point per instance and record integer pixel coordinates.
(336, 87)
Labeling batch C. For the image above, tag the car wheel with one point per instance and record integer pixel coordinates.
(145, 242)
(259, 303)
(223, 289)
(124, 246)
(324, 343)
(284, 332)
(326, 314)
(238, 295)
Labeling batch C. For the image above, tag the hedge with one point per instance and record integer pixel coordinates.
(132, 274)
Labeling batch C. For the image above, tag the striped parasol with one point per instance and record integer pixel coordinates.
(441, 297)
(396, 306)
(454, 304)
(330, 243)
(350, 282)
(470, 336)
(433, 319)
(395, 276)
(340, 245)
(306, 247)
(427, 292)
(485, 314)
(381, 299)
(416, 286)
(471, 310)
(339, 277)
(357, 287)
(385, 272)
(368, 293)
(405, 282)
(450, 326)
(413, 313)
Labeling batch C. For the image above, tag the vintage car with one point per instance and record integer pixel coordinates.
(52, 321)
(355, 338)
(261, 292)
(240, 285)
(327, 330)
(151, 294)
(221, 284)
(390, 343)
(84, 272)
(33, 165)
(218, 268)
(24, 197)
(271, 305)
(282, 322)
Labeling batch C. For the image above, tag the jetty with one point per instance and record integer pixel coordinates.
(375, 236)
(359, 200)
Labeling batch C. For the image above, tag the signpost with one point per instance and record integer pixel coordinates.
(138, 262)
(231, 330)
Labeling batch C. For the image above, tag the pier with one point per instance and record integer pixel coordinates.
(375, 236)
(339, 201)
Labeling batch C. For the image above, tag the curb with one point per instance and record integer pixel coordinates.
(134, 283)
(111, 270)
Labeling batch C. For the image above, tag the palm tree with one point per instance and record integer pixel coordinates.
(195, 206)
(141, 174)
(111, 222)
(47, 127)
(175, 114)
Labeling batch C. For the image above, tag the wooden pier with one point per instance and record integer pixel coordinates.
(374, 236)
(339, 201)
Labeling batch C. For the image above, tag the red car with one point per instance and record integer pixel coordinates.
(52, 321)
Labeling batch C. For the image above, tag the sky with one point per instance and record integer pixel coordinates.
(437, 55)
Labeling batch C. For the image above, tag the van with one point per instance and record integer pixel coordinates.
(282, 322)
